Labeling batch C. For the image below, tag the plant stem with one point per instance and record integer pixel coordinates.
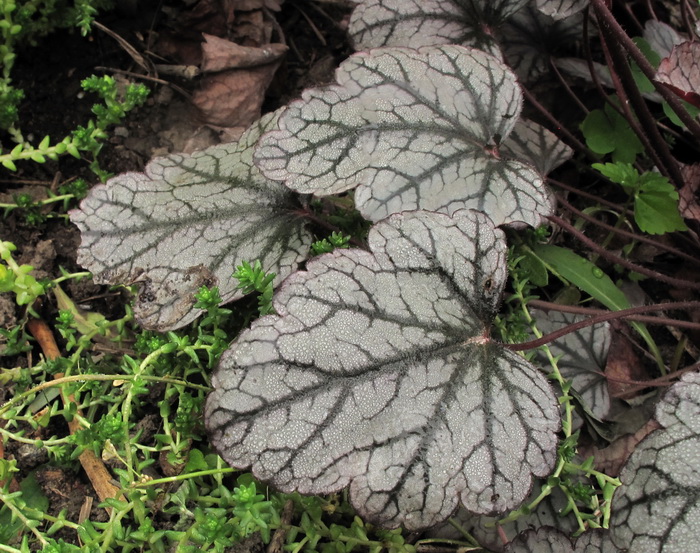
(605, 316)
(613, 258)
(627, 234)
(626, 87)
(603, 13)
(92, 377)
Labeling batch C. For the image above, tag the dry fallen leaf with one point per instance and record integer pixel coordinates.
(688, 203)
(231, 95)
(623, 367)
(219, 54)
(610, 459)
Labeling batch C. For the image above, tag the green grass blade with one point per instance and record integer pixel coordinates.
(592, 280)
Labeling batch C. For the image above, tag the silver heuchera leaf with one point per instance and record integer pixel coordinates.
(657, 507)
(411, 129)
(552, 540)
(661, 37)
(378, 374)
(541, 540)
(533, 143)
(188, 221)
(561, 9)
(416, 23)
(582, 358)
(531, 39)
(490, 533)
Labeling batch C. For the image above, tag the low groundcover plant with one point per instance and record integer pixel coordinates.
(377, 370)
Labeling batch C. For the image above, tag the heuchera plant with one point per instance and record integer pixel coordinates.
(378, 372)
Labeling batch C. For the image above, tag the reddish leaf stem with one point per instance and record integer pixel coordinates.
(605, 316)
(644, 125)
(558, 128)
(626, 233)
(589, 196)
(603, 13)
(613, 258)
(591, 312)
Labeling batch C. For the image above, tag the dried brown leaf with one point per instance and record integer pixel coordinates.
(688, 201)
(234, 98)
(219, 54)
(623, 367)
(610, 459)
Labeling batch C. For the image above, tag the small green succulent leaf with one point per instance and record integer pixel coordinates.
(187, 222)
(411, 129)
(553, 540)
(560, 9)
(379, 374)
(416, 23)
(657, 507)
(582, 356)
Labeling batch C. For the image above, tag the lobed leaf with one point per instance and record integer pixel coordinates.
(417, 23)
(552, 540)
(188, 221)
(378, 374)
(581, 357)
(531, 142)
(412, 130)
(657, 507)
(531, 39)
(561, 9)
(490, 533)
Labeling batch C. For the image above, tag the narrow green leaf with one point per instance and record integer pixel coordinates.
(593, 281)
(584, 274)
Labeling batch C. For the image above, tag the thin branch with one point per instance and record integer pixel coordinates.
(674, 102)
(645, 128)
(606, 316)
(626, 233)
(589, 196)
(558, 128)
(613, 258)
(591, 312)
(665, 380)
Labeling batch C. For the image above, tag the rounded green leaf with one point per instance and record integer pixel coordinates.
(379, 374)
(189, 221)
(411, 129)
